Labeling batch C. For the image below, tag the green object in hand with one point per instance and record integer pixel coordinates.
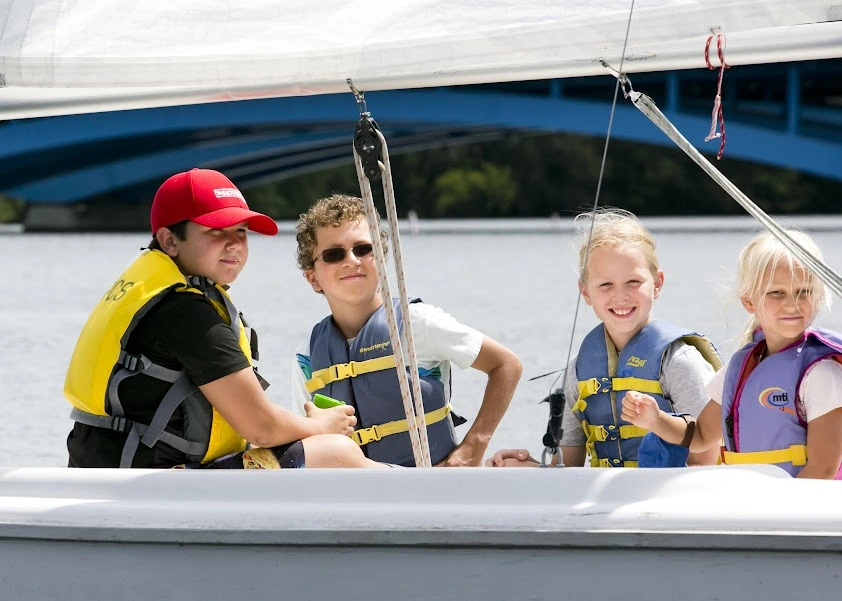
(325, 402)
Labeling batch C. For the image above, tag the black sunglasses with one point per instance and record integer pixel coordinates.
(336, 254)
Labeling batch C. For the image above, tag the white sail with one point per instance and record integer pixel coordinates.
(68, 57)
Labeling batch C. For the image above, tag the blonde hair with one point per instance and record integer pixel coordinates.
(331, 211)
(614, 228)
(756, 269)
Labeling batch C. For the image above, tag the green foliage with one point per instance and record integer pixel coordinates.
(289, 198)
(537, 174)
(11, 210)
(488, 191)
(526, 175)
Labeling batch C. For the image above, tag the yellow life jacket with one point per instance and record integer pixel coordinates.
(100, 362)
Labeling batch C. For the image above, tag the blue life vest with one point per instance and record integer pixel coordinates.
(763, 419)
(604, 378)
(376, 394)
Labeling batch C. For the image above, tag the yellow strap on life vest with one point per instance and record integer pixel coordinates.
(600, 433)
(363, 436)
(638, 384)
(596, 462)
(579, 407)
(796, 455)
(342, 371)
(594, 385)
(590, 387)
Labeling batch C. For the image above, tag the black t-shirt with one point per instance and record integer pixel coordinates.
(183, 331)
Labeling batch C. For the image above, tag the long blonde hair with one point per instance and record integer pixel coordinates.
(756, 269)
(614, 228)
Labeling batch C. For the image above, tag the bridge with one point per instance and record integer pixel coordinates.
(99, 169)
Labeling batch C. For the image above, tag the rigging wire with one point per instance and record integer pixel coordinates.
(371, 159)
(822, 270)
(563, 373)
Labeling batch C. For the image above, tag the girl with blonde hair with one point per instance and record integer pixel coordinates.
(619, 277)
(779, 399)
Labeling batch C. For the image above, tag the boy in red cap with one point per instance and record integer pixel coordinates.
(162, 373)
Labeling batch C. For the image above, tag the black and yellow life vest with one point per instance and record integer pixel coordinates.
(100, 362)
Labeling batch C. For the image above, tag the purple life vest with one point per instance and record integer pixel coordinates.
(761, 409)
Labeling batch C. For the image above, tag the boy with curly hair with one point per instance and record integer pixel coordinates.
(349, 355)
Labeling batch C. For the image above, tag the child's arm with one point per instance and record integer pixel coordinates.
(824, 446)
(512, 458)
(241, 401)
(821, 394)
(685, 374)
(503, 368)
(642, 410)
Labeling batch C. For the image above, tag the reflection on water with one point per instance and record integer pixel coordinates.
(518, 287)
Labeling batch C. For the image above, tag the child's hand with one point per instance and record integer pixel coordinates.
(511, 458)
(336, 420)
(640, 409)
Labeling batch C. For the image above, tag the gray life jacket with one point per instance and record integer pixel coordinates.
(363, 375)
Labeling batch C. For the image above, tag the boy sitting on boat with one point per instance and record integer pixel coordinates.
(349, 355)
(162, 374)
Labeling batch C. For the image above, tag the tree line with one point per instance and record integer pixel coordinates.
(536, 175)
(523, 175)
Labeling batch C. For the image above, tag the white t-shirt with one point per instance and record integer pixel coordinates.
(439, 341)
(820, 391)
(684, 373)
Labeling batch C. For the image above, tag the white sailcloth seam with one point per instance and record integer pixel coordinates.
(417, 432)
(823, 271)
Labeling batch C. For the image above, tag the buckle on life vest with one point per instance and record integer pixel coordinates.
(600, 433)
(592, 386)
(128, 361)
(366, 435)
(120, 424)
(343, 371)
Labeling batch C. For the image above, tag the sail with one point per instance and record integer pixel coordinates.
(59, 57)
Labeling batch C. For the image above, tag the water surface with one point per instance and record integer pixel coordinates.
(516, 284)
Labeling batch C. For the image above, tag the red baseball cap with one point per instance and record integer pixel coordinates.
(208, 198)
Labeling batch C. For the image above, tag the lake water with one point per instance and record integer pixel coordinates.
(514, 281)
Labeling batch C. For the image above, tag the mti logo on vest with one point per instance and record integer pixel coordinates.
(775, 398)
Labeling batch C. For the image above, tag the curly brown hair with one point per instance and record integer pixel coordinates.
(333, 210)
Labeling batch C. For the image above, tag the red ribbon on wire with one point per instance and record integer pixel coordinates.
(717, 115)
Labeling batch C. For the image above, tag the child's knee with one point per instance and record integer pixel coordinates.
(332, 450)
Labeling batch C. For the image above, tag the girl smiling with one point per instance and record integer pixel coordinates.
(779, 400)
(620, 279)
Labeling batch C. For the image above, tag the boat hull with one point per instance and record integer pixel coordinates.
(700, 533)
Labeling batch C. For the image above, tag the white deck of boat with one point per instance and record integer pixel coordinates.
(467, 506)
(418, 534)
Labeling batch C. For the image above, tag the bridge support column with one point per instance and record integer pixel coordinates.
(672, 92)
(793, 98)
